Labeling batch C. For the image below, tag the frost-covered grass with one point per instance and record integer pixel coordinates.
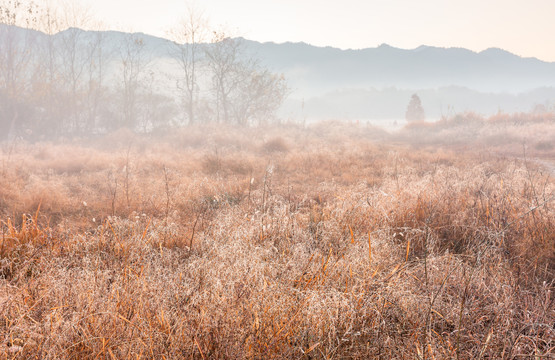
(327, 242)
(510, 134)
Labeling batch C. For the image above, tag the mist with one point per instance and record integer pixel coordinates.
(64, 81)
(205, 196)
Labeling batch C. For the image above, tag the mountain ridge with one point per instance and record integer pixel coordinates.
(315, 72)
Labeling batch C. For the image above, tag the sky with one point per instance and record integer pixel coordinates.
(523, 27)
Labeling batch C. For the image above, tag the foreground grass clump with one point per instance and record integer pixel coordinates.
(297, 244)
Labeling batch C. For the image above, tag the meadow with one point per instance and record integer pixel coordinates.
(282, 242)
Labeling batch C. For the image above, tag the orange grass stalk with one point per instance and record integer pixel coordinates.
(199, 349)
(369, 250)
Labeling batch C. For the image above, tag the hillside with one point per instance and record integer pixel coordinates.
(373, 83)
(492, 70)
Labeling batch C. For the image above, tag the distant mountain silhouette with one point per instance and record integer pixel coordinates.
(316, 70)
(377, 83)
(367, 82)
(492, 70)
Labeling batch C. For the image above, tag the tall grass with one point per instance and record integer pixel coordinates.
(297, 243)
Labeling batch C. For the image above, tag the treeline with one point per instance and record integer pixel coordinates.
(58, 80)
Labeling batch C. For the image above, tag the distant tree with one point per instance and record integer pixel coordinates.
(68, 83)
(224, 58)
(186, 50)
(244, 92)
(155, 110)
(95, 84)
(540, 109)
(415, 111)
(16, 63)
(258, 96)
(134, 63)
(80, 69)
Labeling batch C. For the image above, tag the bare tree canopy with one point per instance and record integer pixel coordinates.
(57, 79)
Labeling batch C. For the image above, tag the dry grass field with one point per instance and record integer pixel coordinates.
(335, 241)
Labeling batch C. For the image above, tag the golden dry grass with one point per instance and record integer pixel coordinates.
(508, 134)
(283, 242)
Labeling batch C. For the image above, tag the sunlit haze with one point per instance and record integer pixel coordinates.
(523, 28)
(277, 179)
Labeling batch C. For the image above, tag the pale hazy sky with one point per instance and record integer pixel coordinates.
(524, 27)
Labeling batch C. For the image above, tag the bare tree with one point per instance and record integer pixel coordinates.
(47, 80)
(188, 36)
(155, 110)
(95, 89)
(78, 56)
(58, 84)
(244, 91)
(258, 96)
(72, 70)
(16, 72)
(134, 62)
(224, 61)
